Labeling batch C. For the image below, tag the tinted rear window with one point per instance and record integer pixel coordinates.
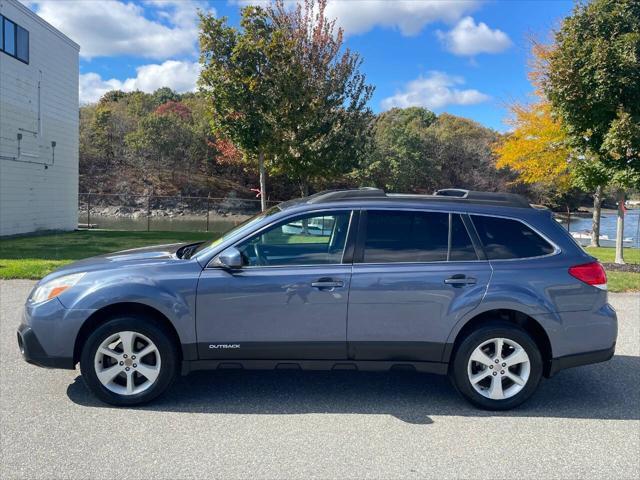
(505, 239)
(396, 236)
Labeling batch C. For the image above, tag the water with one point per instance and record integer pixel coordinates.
(608, 224)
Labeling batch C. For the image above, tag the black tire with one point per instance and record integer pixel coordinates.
(142, 325)
(459, 366)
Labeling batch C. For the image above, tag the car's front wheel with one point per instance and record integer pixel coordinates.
(497, 367)
(128, 361)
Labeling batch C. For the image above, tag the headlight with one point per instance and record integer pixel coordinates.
(53, 288)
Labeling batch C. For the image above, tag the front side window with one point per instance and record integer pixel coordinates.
(314, 239)
(507, 239)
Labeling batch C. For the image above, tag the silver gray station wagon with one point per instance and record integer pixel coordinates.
(478, 286)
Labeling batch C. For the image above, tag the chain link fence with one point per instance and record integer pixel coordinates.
(160, 212)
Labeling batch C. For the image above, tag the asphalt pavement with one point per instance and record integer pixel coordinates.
(583, 423)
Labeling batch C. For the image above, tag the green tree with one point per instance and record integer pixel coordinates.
(322, 122)
(163, 95)
(165, 140)
(413, 150)
(399, 160)
(239, 74)
(592, 83)
(463, 150)
(283, 90)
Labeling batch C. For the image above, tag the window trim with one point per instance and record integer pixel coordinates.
(556, 249)
(475, 238)
(4, 19)
(346, 252)
(362, 233)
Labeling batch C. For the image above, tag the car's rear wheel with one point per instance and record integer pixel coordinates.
(497, 367)
(128, 361)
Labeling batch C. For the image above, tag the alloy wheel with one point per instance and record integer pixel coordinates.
(127, 363)
(499, 368)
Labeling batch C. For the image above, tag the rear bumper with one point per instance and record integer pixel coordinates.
(33, 352)
(577, 360)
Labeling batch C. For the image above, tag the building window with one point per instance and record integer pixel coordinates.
(22, 44)
(9, 37)
(14, 40)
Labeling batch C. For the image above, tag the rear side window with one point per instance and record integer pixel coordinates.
(506, 239)
(397, 236)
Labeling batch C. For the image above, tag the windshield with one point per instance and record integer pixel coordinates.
(241, 227)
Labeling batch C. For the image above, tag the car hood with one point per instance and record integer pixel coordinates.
(126, 258)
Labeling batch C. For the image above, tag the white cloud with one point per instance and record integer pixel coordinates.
(180, 76)
(434, 91)
(470, 38)
(111, 28)
(408, 16)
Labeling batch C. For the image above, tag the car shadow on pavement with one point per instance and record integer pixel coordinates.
(609, 390)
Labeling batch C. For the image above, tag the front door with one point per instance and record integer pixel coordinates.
(288, 301)
(415, 274)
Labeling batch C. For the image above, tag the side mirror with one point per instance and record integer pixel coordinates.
(229, 258)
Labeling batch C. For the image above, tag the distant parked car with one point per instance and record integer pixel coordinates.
(479, 286)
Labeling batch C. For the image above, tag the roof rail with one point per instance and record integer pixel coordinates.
(511, 199)
(453, 195)
(330, 195)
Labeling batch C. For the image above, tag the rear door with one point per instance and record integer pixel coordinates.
(415, 274)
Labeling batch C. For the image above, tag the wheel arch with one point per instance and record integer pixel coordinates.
(108, 312)
(528, 323)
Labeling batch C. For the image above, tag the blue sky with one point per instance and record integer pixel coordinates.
(466, 57)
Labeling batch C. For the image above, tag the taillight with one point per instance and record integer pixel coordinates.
(592, 273)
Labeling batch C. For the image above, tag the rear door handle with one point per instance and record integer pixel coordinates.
(327, 283)
(460, 280)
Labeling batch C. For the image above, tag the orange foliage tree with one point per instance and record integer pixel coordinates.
(537, 147)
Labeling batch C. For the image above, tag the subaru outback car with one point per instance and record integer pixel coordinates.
(478, 286)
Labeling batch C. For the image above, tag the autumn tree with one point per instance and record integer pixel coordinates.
(283, 90)
(322, 121)
(537, 147)
(592, 84)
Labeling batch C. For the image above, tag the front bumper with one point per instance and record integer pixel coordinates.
(33, 352)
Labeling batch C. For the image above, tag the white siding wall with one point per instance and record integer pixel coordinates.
(33, 197)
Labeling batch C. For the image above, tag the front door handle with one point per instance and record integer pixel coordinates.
(327, 283)
(460, 280)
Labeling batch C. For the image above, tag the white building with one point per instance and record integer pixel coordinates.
(38, 124)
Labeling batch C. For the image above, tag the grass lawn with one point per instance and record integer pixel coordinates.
(33, 257)
(608, 254)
